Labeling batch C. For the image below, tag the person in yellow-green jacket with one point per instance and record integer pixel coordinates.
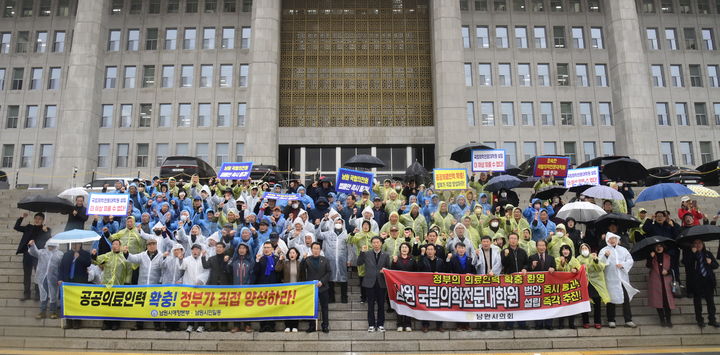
(130, 237)
(637, 233)
(360, 239)
(545, 181)
(115, 271)
(472, 232)
(478, 218)
(416, 221)
(392, 241)
(384, 189)
(500, 240)
(526, 242)
(393, 221)
(597, 289)
(479, 183)
(568, 263)
(494, 226)
(517, 221)
(443, 219)
(393, 202)
(558, 239)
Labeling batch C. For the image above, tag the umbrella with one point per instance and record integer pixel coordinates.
(71, 193)
(507, 182)
(74, 236)
(603, 192)
(415, 171)
(641, 250)
(703, 191)
(663, 191)
(46, 203)
(511, 169)
(463, 154)
(550, 191)
(581, 211)
(580, 188)
(705, 232)
(364, 161)
(624, 169)
(623, 221)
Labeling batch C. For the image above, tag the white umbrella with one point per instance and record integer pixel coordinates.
(603, 192)
(74, 236)
(581, 211)
(71, 193)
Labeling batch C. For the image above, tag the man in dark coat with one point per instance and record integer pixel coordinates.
(265, 274)
(73, 268)
(663, 225)
(375, 261)
(39, 233)
(379, 214)
(514, 259)
(320, 189)
(430, 262)
(219, 275)
(459, 262)
(542, 261)
(321, 208)
(701, 264)
(78, 217)
(317, 268)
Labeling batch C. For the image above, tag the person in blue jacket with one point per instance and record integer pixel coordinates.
(535, 206)
(306, 201)
(459, 208)
(541, 225)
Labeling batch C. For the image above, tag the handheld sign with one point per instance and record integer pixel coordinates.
(488, 160)
(583, 176)
(108, 204)
(450, 179)
(349, 181)
(235, 171)
(551, 166)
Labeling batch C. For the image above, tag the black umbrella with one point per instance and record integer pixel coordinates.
(464, 154)
(624, 169)
(600, 161)
(705, 232)
(502, 182)
(46, 203)
(550, 191)
(364, 161)
(580, 188)
(641, 250)
(623, 221)
(415, 171)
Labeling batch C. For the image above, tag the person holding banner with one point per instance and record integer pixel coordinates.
(617, 277)
(290, 269)
(74, 268)
(360, 238)
(567, 262)
(195, 274)
(597, 288)
(317, 268)
(460, 262)
(265, 273)
(241, 267)
(404, 262)
(375, 261)
(514, 260)
(430, 262)
(542, 261)
(46, 276)
(150, 269)
(115, 271)
(335, 247)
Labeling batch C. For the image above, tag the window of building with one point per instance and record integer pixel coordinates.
(666, 6)
(487, 113)
(686, 154)
(690, 39)
(54, 79)
(239, 152)
(210, 6)
(182, 148)
(510, 152)
(126, 114)
(601, 75)
(143, 154)
(685, 7)
(470, 113)
(529, 150)
(716, 110)
(661, 110)
(546, 114)
(504, 74)
(228, 38)
(103, 155)
(243, 80)
(524, 78)
(465, 34)
(468, 74)
(556, 6)
(154, 7)
(135, 7)
(608, 149)
(703, 7)
(46, 156)
(162, 151)
(596, 37)
(543, 74)
(481, 5)
(229, 5)
(151, 39)
(41, 42)
(566, 114)
(168, 76)
(50, 118)
(681, 114)
(549, 148)
(13, 114)
(656, 71)
(222, 153)
(226, 74)
(208, 38)
(575, 5)
(31, 112)
(500, 5)
(708, 39)
(578, 38)
(538, 5)
(701, 118)
(671, 39)
(713, 78)
(652, 38)
(8, 154)
(589, 150)
(648, 6)
(482, 36)
(9, 9)
(164, 115)
(129, 77)
(484, 74)
(202, 151)
(224, 115)
(22, 44)
(521, 40)
(133, 40)
(26, 8)
(45, 8)
(186, 76)
(170, 39)
(184, 118)
(519, 5)
(2, 79)
(148, 76)
(695, 75)
(570, 152)
(17, 78)
(206, 76)
(36, 78)
(501, 37)
(26, 156)
(5, 38)
(145, 119)
(586, 114)
(241, 114)
(706, 154)
(121, 157)
(191, 6)
(540, 37)
(189, 37)
(113, 41)
(116, 7)
(581, 75)
(563, 74)
(203, 115)
(507, 113)
(106, 117)
(110, 77)
(526, 114)
(676, 76)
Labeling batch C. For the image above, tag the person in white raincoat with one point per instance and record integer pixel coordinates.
(367, 215)
(296, 232)
(150, 262)
(305, 249)
(460, 235)
(172, 274)
(95, 274)
(195, 274)
(163, 243)
(487, 258)
(188, 241)
(334, 237)
(617, 278)
(46, 276)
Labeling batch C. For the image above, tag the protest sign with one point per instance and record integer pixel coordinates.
(583, 176)
(349, 181)
(488, 160)
(100, 204)
(551, 166)
(279, 196)
(450, 179)
(235, 171)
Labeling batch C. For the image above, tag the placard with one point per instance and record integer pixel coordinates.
(488, 160)
(349, 181)
(450, 179)
(235, 171)
(551, 166)
(279, 196)
(100, 204)
(583, 176)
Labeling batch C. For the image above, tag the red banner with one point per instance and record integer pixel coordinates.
(484, 298)
(551, 166)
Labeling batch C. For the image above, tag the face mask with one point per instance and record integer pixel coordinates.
(559, 234)
(503, 194)
(585, 252)
(295, 205)
(338, 226)
(184, 218)
(157, 231)
(494, 224)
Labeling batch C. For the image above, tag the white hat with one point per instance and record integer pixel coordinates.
(685, 199)
(609, 235)
(158, 225)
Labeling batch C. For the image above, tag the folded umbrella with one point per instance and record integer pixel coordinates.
(71, 193)
(699, 190)
(623, 221)
(662, 191)
(581, 211)
(604, 192)
(364, 161)
(550, 191)
(641, 250)
(705, 232)
(507, 182)
(74, 236)
(46, 203)
(624, 169)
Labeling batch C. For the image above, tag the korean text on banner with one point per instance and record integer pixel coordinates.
(190, 303)
(583, 176)
(551, 166)
(349, 181)
(450, 179)
(279, 196)
(484, 298)
(235, 171)
(108, 204)
(488, 160)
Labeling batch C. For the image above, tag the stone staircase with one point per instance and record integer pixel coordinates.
(19, 329)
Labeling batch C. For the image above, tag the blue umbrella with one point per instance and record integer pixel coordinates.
(74, 236)
(663, 191)
(506, 182)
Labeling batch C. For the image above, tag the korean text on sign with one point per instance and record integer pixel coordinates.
(235, 171)
(349, 181)
(488, 160)
(108, 204)
(551, 166)
(583, 176)
(450, 179)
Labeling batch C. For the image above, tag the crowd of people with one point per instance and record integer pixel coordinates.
(225, 233)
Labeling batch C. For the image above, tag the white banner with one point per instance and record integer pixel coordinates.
(488, 160)
(582, 176)
(108, 204)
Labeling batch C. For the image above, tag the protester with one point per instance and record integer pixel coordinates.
(701, 264)
(318, 268)
(334, 239)
(290, 269)
(115, 270)
(219, 275)
(567, 262)
(404, 262)
(265, 273)
(375, 261)
(39, 233)
(46, 276)
(660, 294)
(77, 218)
(241, 268)
(617, 278)
(74, 268)
(195, 274)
